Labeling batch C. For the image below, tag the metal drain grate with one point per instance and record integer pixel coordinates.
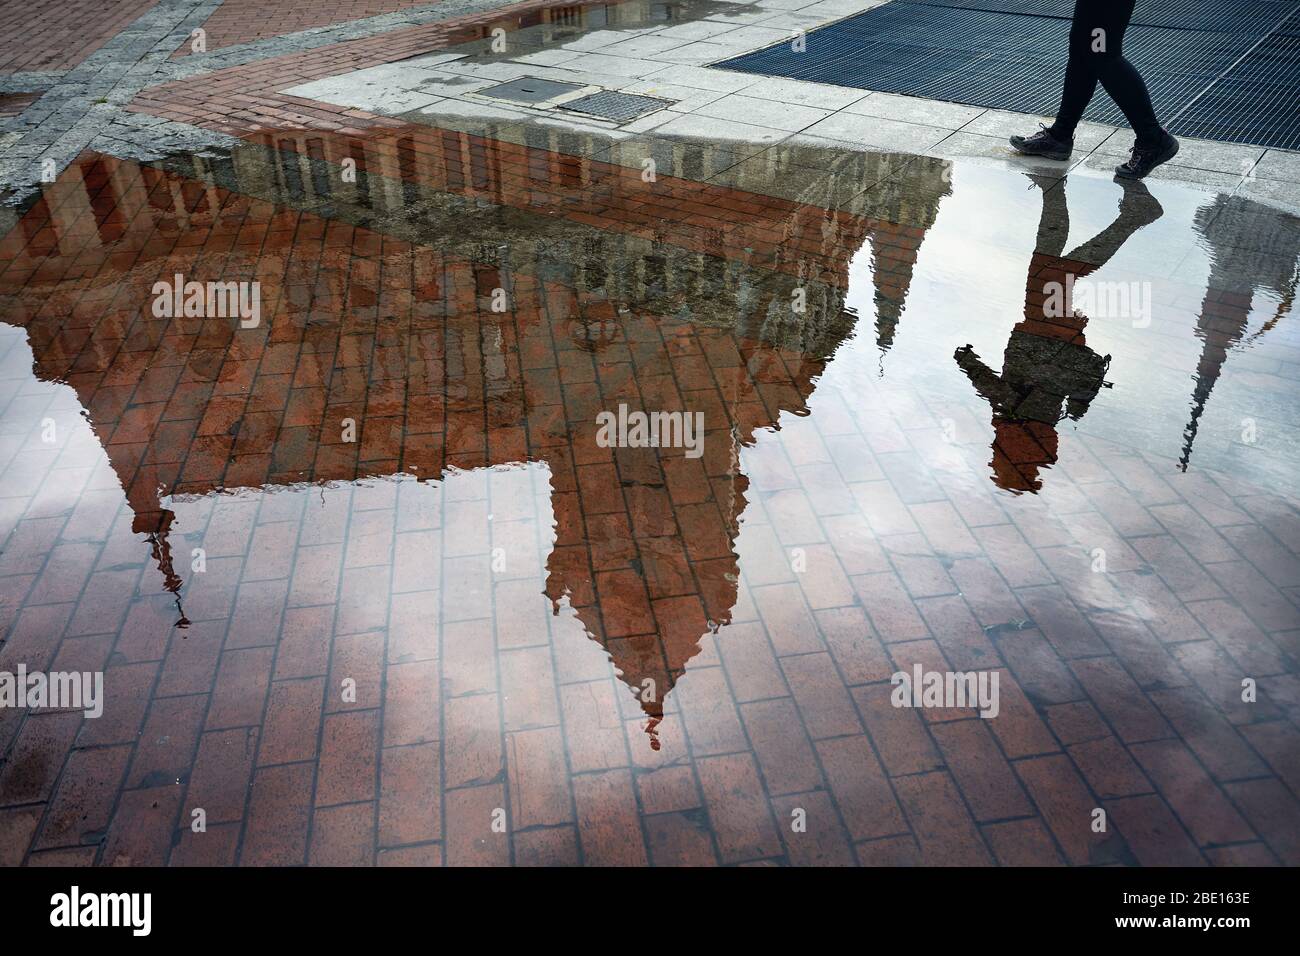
(1219, 69)
(1255, 102)
(619, 107)
(530, 89)
(1214, 16)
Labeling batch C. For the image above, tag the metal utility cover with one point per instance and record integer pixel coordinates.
(618, 107)
(529, 89)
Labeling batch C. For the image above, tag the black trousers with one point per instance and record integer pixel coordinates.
(1097, 55)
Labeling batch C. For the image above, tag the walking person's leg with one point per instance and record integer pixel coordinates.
(1097, 55)
(1083, 69)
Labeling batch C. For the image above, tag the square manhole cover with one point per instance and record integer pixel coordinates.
(618, 107)
(528, 89)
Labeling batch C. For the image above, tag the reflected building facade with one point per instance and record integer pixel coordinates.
(464, 302)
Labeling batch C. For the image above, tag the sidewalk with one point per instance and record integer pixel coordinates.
(364, 579)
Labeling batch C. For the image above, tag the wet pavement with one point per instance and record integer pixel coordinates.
(368, 584)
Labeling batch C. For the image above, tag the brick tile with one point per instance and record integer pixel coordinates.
(980, 771)
(858, 653)
(608, 831)
(710, 716)
(349, 758)
(1066, 806)
(789, 622)
(167, 742)
(32, 766)
(1279, 743)
(410, 804)
(1076, 723)
(898, 733)
(593, 728)
(1109, 769)
(1120, 700)
(343, 836)
(784, 753)
(667, 789)
(1194, 797)
(528, 691)
(222, 774)
(861, 791)
(1273, 812)
(1244, 854)
(279, 811)
(1153, 833)
(82, 803)
(1044, 677)
(891, 610)
(538, 777)
(943, 827)
(1022, 843)
(293, 720)
(553, 846)
(821, 839)
(741, 818)
(471, 837)
(825, 706)
(751, 667)
(679, 839)
(17, 826)
(411, 699)
(890, 852)
(239, 695)
(216, 846)
(141, 831)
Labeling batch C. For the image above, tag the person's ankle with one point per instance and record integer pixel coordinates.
(1061, 136)
(1153, 140)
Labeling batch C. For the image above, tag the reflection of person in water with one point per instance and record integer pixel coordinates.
(1048, 371)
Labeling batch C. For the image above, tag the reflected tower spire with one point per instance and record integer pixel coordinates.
(1251, 247)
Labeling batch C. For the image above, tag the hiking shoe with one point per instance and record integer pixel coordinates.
(1043, 143)
(1143, 159)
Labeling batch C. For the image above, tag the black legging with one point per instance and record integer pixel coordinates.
(1105, 63)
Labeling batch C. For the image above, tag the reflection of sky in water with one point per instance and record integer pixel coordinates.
(968, 287)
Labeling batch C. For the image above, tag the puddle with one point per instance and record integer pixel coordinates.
(952, 415)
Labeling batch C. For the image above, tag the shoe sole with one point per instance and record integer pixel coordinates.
(1119, 170)
(1041, 153)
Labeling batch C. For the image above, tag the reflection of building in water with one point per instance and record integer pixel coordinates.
(1252, 248)
(381, 310)
(1048, 371)
(550, 24)
(885, 198)
(517, 32)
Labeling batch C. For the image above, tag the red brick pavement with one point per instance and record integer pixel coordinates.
(476, 599)
(58, 34)
(239, 21)
(241, 99)
(11, 104)
(482, 691)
